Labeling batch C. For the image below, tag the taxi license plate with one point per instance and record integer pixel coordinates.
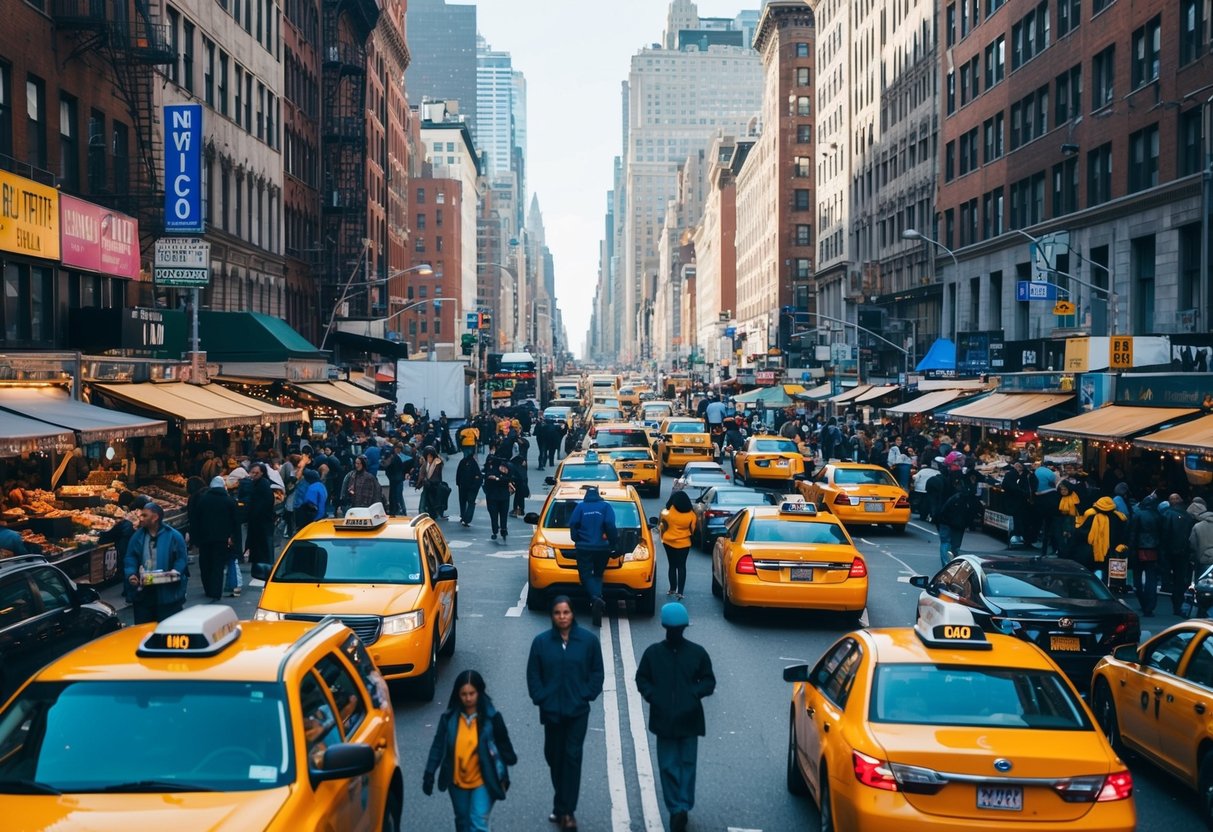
(1002, 798)
(625, 474)
(1066, 644)
(873, 506)
(802, 573)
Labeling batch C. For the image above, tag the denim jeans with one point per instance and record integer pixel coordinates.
(676, 759)
(1145, 581)
(232, 578)
(591, 566)
(472, 808)
(563, 744)
(949, 542)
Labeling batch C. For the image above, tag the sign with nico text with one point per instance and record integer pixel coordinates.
(183, 169)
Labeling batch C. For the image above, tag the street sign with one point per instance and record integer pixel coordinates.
(473, 320)
(181, 278)
(730, 331)
(183, 169)
(1035, 290)
(182, 262)
(1120, 352)
(1063, 307)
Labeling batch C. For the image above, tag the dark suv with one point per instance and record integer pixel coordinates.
(42, 616)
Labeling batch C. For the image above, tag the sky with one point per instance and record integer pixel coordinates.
(575, 54)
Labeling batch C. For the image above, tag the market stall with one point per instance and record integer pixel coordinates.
(1106, 435)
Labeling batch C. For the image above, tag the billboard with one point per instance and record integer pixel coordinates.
(29, 223)
(183, 169)
(97, 239)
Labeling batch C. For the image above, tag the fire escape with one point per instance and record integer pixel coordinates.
(129, 47)
(343, 202)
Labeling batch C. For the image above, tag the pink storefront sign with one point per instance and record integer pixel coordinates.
(97, 239)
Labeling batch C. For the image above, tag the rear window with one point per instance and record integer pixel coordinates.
(994, 697)
(607, 415)
(792, 531)
(740, 498)
(687, 427)
(703, 475)
(622, 439)
(634, 454)
(863, 476)
(775, 446)
(626, 514)
(1045, 585)
(598, 472)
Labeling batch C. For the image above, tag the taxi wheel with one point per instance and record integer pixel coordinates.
(900, 528)
(646, 604)
(426, 685)
(1204, 787)
(448, 647)
(796, 783)
(391, 814)
(825, 803)
(536, 600)
(731, 611)
(1105, 714)
(716, 588)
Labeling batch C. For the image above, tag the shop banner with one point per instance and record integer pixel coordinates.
(29, 217)
(1166, 390)
(97, 239)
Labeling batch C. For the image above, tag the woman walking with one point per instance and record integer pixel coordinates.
(471, 754)
(434, 492)
(677, 526)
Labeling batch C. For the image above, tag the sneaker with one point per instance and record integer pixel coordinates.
(678, 822)
(670, 592)
(494, 537)
(678, 597)
(235, 593)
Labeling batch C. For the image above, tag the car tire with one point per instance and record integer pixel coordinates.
(391, 814)
(717, 590)
(646, 604)
(825, 802)
(1204, 787)
(1105, 714)
(426, 685)
(796, 783)
(731, 610)
(536, 599)
(900, 528)
(448, 647)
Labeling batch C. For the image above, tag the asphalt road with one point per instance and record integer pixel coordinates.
(741, 760)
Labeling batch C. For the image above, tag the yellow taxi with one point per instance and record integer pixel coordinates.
(1157, 700)
(583, 466)
(682, 440)
(861, 495)
(626, 446)
(942, 726)
(205, 722)
(768, 459)
(391, 580)
(789, 556)
(653, 412)
(629, 397)
(552, 567)
(600, 413)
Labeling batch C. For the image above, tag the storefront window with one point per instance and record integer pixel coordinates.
(39, 296)
(12, 302)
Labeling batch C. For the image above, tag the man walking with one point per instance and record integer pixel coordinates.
(955, 516)
(467, 480)
(214, 527)
(1177, 529)
(498, 485)
(564, 675)
(592, 527)
(260, 508)
(673, 677)
(160, 549)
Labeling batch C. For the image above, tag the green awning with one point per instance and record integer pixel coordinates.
(251, 336)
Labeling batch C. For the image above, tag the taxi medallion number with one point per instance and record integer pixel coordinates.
(873, 506)
(1002, 798)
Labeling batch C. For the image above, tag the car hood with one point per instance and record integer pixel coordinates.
(212, 811)
(341, 599)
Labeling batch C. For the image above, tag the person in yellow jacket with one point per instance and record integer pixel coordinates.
(1100, 536)
(469, 437)
(677, 525)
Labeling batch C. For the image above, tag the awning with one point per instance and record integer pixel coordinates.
(369, 344)
(94, 424)
(793, 389)
(1115, 422)
(876, 392)
(341, 394)
(1190, 437)
(973, 385)
(852, 394)
(270, 413)
(769, 396)
(192, 406)
(1006, 410)
(251, 336)
(941, 356)
(926, 402)
(821, 391)
(19, 435)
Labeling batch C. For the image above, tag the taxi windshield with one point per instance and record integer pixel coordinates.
(607, 415)
(622, 439)
(738, 497)
(633, 454)
(772, 530)
(985, 697)
(559, 512)
(139, 736)
(1046, 585)
(652, 411)
(863, 476)
(687, 427)
(594, 472)
(776, 446)
(350, 560)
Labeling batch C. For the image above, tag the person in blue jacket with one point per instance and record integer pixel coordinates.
(155, 547)
(563, 676)
(592, 527)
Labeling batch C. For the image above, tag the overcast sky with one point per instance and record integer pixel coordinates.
(575, 54)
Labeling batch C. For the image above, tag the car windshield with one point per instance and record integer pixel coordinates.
(596, 472)
(702, 475)
(621, 439)
(656, 411)
(687, 427)
(771, 530)
(985, 697)
(350, 560)
(607, 415)
(633, 454)
(1045, 584)
(863, 476)
(95, 736)
(776, 446)
(627, 516)
(741, 497)
(556, 413)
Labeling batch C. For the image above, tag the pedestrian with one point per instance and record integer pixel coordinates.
(468, 478)
(955, 516)
(393, 468)
(592, 528)
(677, 524)
(214, 528)
(260, 514)
(498, 485)
(1100, 542)
(471, 754)
(899, 463)
(361, 488)
(1059, 509)
(313, 503)
(155, 548)
(1176, 532)
(1200, 541)
(434, 492)
(563, 676)
(674, 676)
(522, 486)
(1145, 541)
(469, 438)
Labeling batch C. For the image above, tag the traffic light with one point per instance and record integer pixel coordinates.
(484, 321)
(467, 342)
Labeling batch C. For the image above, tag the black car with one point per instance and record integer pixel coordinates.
(716, 505)
(43, 615)
(1056, 604)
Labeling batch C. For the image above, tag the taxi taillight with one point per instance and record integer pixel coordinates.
(859, 569)
(842, 500)
(745, 566)
(872, 772)
(902, 502)
(1096, 788)
(1116, 786)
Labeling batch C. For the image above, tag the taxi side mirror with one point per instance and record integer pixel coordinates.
(796, 673)
(1126, 653)
(549, 480)
(920, 581)
(531, 517)
(260, 571)
(344, 761)
(446, 572)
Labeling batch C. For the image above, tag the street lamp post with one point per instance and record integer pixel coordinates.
(1111, 296)
(915, 234)
(422, 269)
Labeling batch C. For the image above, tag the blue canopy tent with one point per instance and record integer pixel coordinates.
(941, 356)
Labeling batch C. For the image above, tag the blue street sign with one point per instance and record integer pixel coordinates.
(730, 331)
(473, 320)
(183, 169)
(1035, 290)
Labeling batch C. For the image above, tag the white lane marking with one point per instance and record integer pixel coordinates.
(506, 555)
(865, 540)
(458, 544)
(903, 579)
(740, 829)
(616, 780)
(909, 569)
(925, 529)
(640, 736)
(793, 659)
(516, 610)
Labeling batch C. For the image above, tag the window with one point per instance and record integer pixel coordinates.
(1147, 42)
(174, 42)
(802, 50)
(802, 270)
(964, 17)
(993, 130)
(208, 71)
(1065, 187)
(1143, 159)
(949, 227)
(949, 162)
(1200, 666)
(951, 92)
(355, 651)
(1098, 6)
(97, 182)
(800, 199)
(69, 145)
(993, 6)
(951, 24)
(320, 728)
(16, 600)
(1099, 175)
(6, 109)
(239, 95)
(968, 151)
(1030, 35)
(248, 101)
(260, 110)
(804, 105)
(421, 196)
(35, 128)
(1067, 95)
(1027, 201)
(1069, 15)
(1030, 118)
(968, 222)
(52, 588)
(969, 74)
(803, 77)
(1189, 142)
(804, 235)
(222, 82)
(802, 167)
(187, 55)
(992, 214)
(1191, 30)
(1142, 261)
(804, 133)
(421, 222)
(996, 57)
(351, 707)
(1103, 78)
(437, 244)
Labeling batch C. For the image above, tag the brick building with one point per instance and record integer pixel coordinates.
(301, 162)
(435, 206)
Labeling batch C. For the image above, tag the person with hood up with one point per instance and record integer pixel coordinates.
(314, 500)
(361, 487)
(468, 478)
(471, 754)
(592, 527)
(955, 516)
(674, 676)
(214, 528)
(260, 508)
(1177, 525)
(1100, 536)
(1145, 542)
(499, 479)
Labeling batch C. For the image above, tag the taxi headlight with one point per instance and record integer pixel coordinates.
(541, 550)
(641, 552)
(267, 615)
(394, 625)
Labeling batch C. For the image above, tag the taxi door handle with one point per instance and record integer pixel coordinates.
(1158, 691)
(826, 728)
(811, 711)
(1199, 707)
(381, 743)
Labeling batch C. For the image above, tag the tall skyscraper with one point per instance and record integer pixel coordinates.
(442, 42)
(494, 108)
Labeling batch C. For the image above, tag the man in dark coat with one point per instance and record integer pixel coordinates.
(547, 439)
(155, 548)
(955, 516)
(260, 508)
(673, 677)
(1176, 531)
(499, 477)
(592, 527)
(564, 674)
(1145, 543)
(215, 528)
(467, 481)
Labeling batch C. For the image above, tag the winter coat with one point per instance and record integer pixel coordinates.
(1176, 532)
(959, 511)
(492, 734)
(1146, 526)
(496, 482)
(170, 554)
(939, 489)
(563, 680)
(213, 519)
(361, 488)
(1085, 549)
(467, 474)
(677, 527)
(673, 679)
(260, 506)
(1201, 541)
(592, 524)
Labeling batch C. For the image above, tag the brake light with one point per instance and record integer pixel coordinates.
(872, 772)
(745, 566)
(593, 431)
(842, 500)
(1095, 788)
(718, 513)
(902, 502)
(1116, 786)
(1127, 631)
(859, 569)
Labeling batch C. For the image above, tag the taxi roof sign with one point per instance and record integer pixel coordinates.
(368, 517)
(798, 507)
(199, 631)
(591, 457)
(943, 624)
